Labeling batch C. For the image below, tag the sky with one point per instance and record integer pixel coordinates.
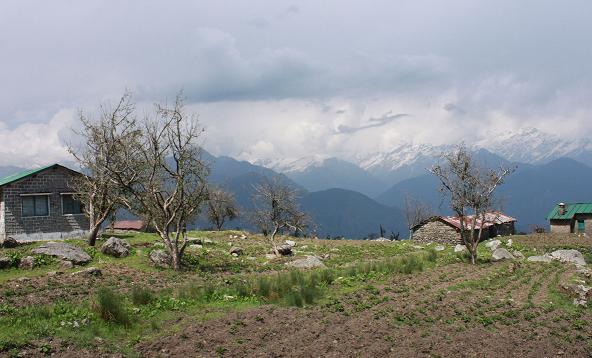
(273, 79)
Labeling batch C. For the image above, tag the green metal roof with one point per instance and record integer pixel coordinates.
(570, 210)
(18, 176)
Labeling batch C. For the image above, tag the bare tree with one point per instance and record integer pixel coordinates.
(164, 176)
(221, 206)
(416, 211)
(470, 188)
(103, 140)
(276, 210)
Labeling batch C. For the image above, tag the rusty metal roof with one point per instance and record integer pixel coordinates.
(570, 210)
(491, 218)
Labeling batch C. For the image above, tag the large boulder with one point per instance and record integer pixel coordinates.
(306, 263)
(569, 256)
(5, 262)
(161, 258)
(116, 247)
(63, 251)
(501, 254)
(27, 263)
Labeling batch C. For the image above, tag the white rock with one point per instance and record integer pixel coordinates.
(493, 244)
(509, 243)
(439, 248)
(569, 256)
(541, 258)
(291, 243)
(305, 263)
(501, 254)
(460, 248)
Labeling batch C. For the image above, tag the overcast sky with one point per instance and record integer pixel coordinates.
(295, 78)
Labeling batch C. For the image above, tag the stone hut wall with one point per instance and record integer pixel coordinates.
(561, 226)
(56, 225)
(438, 232)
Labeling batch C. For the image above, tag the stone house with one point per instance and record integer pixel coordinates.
(38, 204)
(571, 218)
(446, 229)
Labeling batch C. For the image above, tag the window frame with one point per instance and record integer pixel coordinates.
(47, 197)
(62, 195)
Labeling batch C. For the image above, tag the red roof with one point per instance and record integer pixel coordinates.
(129, 225)
(491, 218)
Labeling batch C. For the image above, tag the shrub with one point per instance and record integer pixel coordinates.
(141, 296)
(109, 305)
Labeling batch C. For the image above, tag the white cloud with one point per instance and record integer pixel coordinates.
(35, 144)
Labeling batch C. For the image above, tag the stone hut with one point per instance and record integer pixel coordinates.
(39, 204)
(446, 229)
(574, 218)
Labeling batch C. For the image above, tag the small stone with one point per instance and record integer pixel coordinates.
(541, 258)
(270, 256)
(285, 250)
(518, 255)
(65, 265)
(439, 248)
(27, 263)
(243, 237)
(91, 271)
(460, 248)
(509, 243)
(236, 251)
(493, 244)
(291, 243)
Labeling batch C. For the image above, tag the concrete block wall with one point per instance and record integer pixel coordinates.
(56, 225)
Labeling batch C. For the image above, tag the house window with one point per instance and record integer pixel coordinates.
(71, 206)
(35, 205)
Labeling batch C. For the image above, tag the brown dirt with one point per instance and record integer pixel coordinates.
(411, 316)
(76, 287)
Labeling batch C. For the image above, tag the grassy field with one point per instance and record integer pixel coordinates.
(372, 299)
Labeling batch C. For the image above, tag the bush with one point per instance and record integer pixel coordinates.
(141, 296)
(110, 306)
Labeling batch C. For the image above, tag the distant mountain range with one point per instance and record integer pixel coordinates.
(353, 199)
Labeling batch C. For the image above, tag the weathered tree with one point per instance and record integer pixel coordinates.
(102, 142)
(276, 210)
(164, 177)
(416, 211)
(470, 188)
(221, 207)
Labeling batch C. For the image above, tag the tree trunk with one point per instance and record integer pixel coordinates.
(92, 235)
(176, 260)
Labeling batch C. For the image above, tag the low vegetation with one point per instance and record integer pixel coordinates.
(398, 291)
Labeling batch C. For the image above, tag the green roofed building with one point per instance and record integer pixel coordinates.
(571, 218)
(38, 204)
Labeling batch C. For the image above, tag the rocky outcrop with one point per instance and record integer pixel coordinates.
(64, 251)
(493, 244)
(306, 263)
(116, 247)
(566, 256)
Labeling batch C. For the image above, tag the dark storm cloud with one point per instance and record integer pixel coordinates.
(374, 122)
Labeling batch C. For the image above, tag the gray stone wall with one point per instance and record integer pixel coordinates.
(438, 232)
(561, 226)
(54, 226)
(2, 235)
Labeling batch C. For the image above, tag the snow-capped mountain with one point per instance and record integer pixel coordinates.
(405, 161)
(530, 145)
